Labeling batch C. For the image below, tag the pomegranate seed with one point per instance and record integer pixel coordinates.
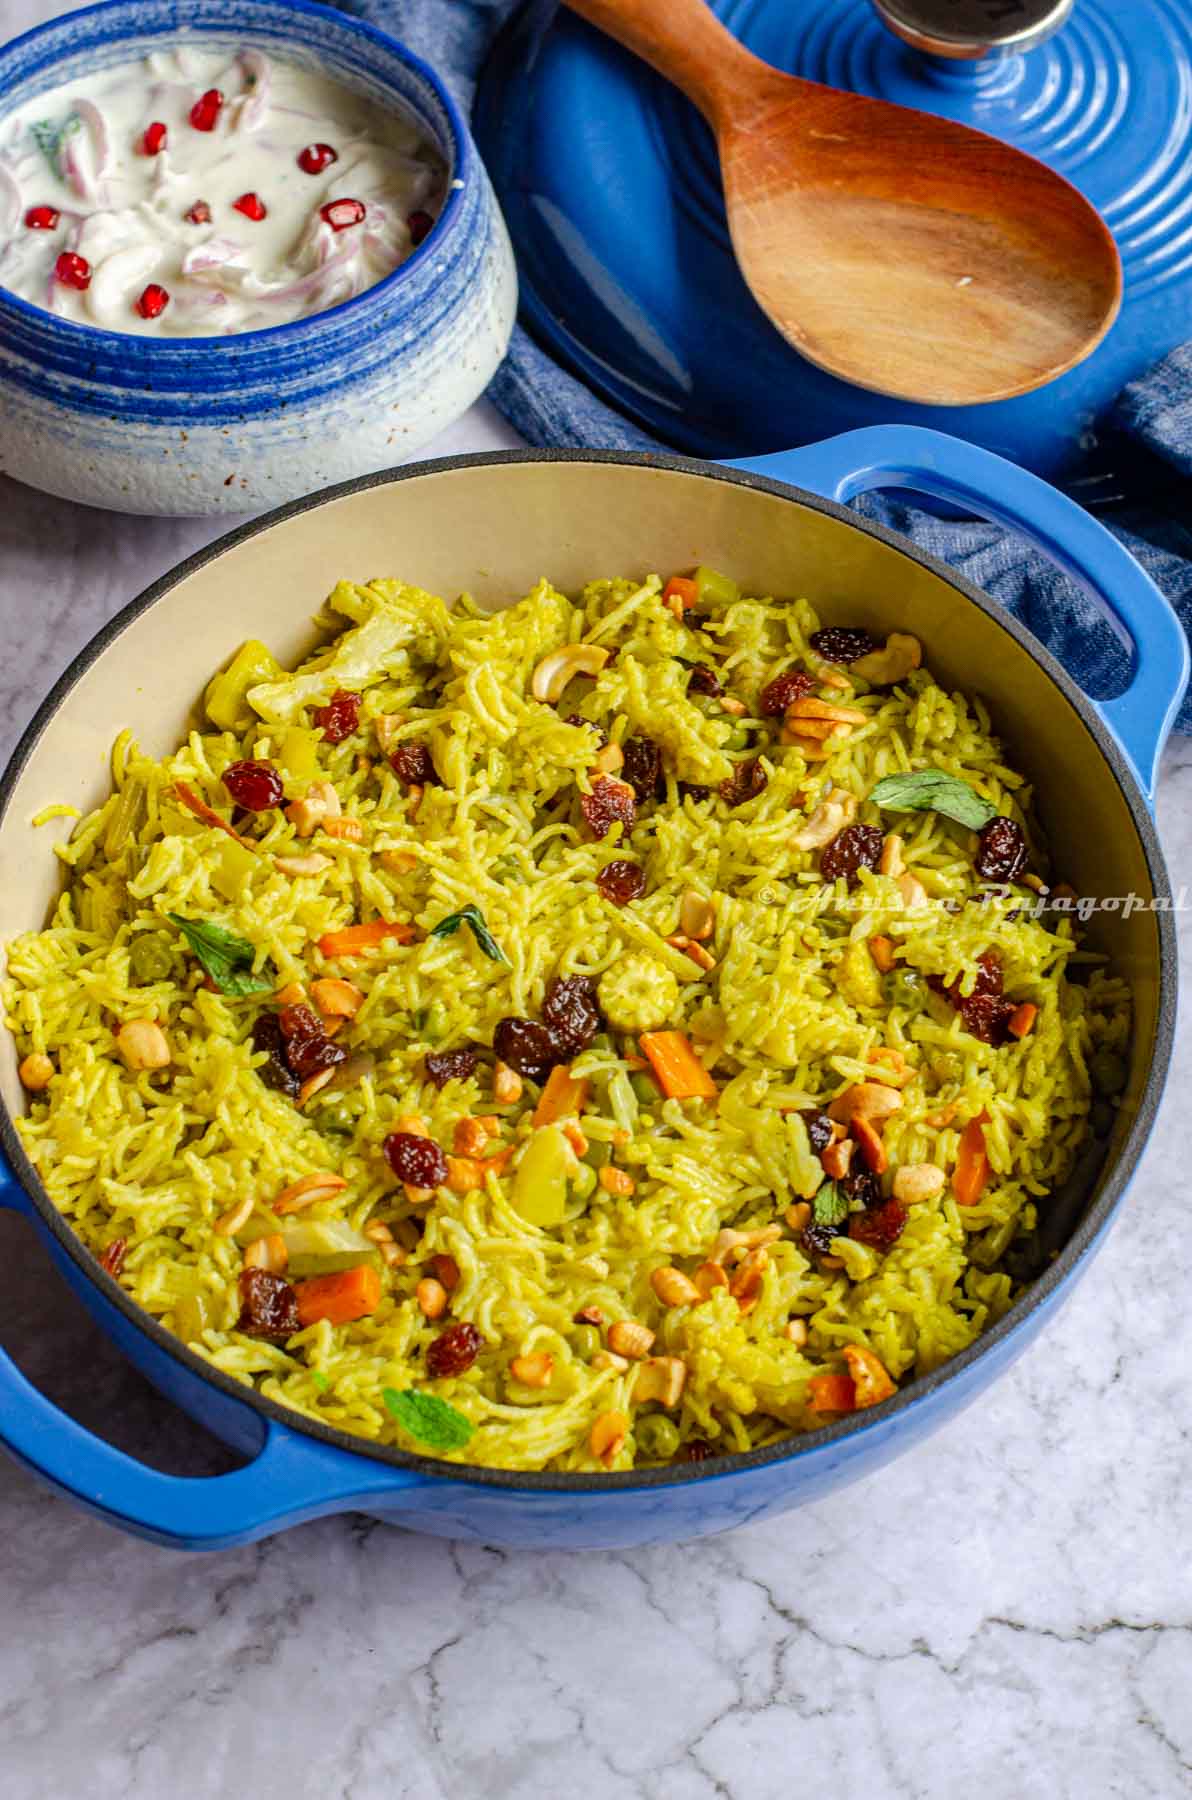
(419, 224)
(199, 214)
(251, 205)
(154, 139)
(153, 301)
(316, 157)
(73, 271)
(204, 114)
(42, 218)
(256, 786)
(339, 214)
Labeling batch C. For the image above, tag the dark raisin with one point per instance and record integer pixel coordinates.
(621, 882)
(693, 790)
(308, 1048)
(276, 1071)
(526, 1046)
(417, 1161)
(112, 1259)
(842, 643)
(704, 680)
(856, 847)
(268, 1305)
(880, 1226)
(697, 1450)
(746, 782)
(453, 1351)
(642, 768)
(863, 1185)
(256, 786)
(1001, 851)
(987, 1016)
(611, 802)
(571, 1014)
(819, 1128)
(412, 765)
(443, 1066)
(817, 1240)
(340, 717)
(783, 691)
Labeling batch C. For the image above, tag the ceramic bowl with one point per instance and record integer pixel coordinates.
(233, 424)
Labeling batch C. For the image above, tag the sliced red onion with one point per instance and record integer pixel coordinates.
(256, 64)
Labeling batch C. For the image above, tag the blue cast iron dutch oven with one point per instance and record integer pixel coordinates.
(494, 524)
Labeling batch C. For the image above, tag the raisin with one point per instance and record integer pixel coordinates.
(697, 1450)
(842, 643)
(453, 1351)
(856, 847)
(1001, 851)
(256, 786)
(417, 1161)
(276, 1072)
(863, 1185)
(112, 1260)
(413, 767)
(307, 1046)
(268, 1305)
(704, 680)
(819, 1128)
(746, 782)
(783, 691)
(450, 1065)
(526, 1046)
(880, 1226)
(642, 768)
(693, 790)
(611, 802)
(571, 1015)
(816, 1240)
(985, 1013)
(621, 882)
(340, 717)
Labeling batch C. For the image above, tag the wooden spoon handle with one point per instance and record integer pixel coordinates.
(684, 41)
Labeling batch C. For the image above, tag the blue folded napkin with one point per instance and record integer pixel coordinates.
(1153, 416)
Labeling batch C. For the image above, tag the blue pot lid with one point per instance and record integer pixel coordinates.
(610, 182)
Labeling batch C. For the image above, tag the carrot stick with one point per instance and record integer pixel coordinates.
(682, 589)
(870, 1377)
(1022, 1020)
(831, 1394)
(351, 1294)
(680, 1073)
(872, 1148)
(882, 951)
(354, 940)
(563, 1095)
(209, 816)
(972, 1164)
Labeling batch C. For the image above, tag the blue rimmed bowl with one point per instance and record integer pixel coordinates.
(232, 424)
(493, 525)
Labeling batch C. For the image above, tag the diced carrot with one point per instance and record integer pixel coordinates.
(350, 1294)
(872, 1148)
(496, 1162)
(1022, 1020)
(831, 1394)
(207, 814)
(972, 1164)
(681, 1075)
(354, 940)
(563, 1095)
(682, 589)
(882, 951)
(464, 1174)
(871, 1379)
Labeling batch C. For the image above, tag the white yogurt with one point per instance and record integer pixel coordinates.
(118, 231)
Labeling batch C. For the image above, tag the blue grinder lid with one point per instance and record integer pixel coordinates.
(610, 182)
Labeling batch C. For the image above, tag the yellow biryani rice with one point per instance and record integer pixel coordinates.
(175, 1172)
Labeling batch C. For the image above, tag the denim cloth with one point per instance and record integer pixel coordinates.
(1151, 422)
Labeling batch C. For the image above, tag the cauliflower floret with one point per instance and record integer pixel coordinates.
(638, 994)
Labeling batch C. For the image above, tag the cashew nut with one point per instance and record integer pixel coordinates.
(894, 662)
(556, 670)
(833, 813)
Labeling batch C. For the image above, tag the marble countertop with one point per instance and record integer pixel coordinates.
(1006, 1611)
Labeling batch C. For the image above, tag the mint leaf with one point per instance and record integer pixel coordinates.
(225, 957)
(427, 1419)
(49, 138)
(830, 1206)
(320, 1380)
(932, 790)
(474, 918)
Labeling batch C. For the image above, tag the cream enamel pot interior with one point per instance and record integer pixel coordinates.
(494, 524)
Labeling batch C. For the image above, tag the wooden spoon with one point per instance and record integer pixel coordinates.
(902, 252)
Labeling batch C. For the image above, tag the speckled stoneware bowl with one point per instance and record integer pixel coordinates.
(232, 424)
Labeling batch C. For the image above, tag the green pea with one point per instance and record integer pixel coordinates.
(602, 1042)
(337, 1120)
(586, 1340)
(1108, 1072)
(644, 1086)
(596, 1154)
(149, 958)
(585, 1180)
(907, 987)
(738, 738)
(657, 1437)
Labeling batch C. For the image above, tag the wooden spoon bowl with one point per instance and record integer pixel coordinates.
(899, 251)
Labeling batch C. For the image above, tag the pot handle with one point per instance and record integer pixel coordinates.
(908, 456)
(292, 1479)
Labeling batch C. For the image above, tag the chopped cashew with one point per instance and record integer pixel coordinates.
(674, 1288)
(882, 668)
(607, 1437)
(431, 1296)
(892, 862)
(697, 916)
(915, 1182)
(314, 864)
(660, 1378)
(870, 1100)
(556, 670)
(235, 1219)
(143, 1045)
(836, 810)
(628, 1337)
(534, 1370)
